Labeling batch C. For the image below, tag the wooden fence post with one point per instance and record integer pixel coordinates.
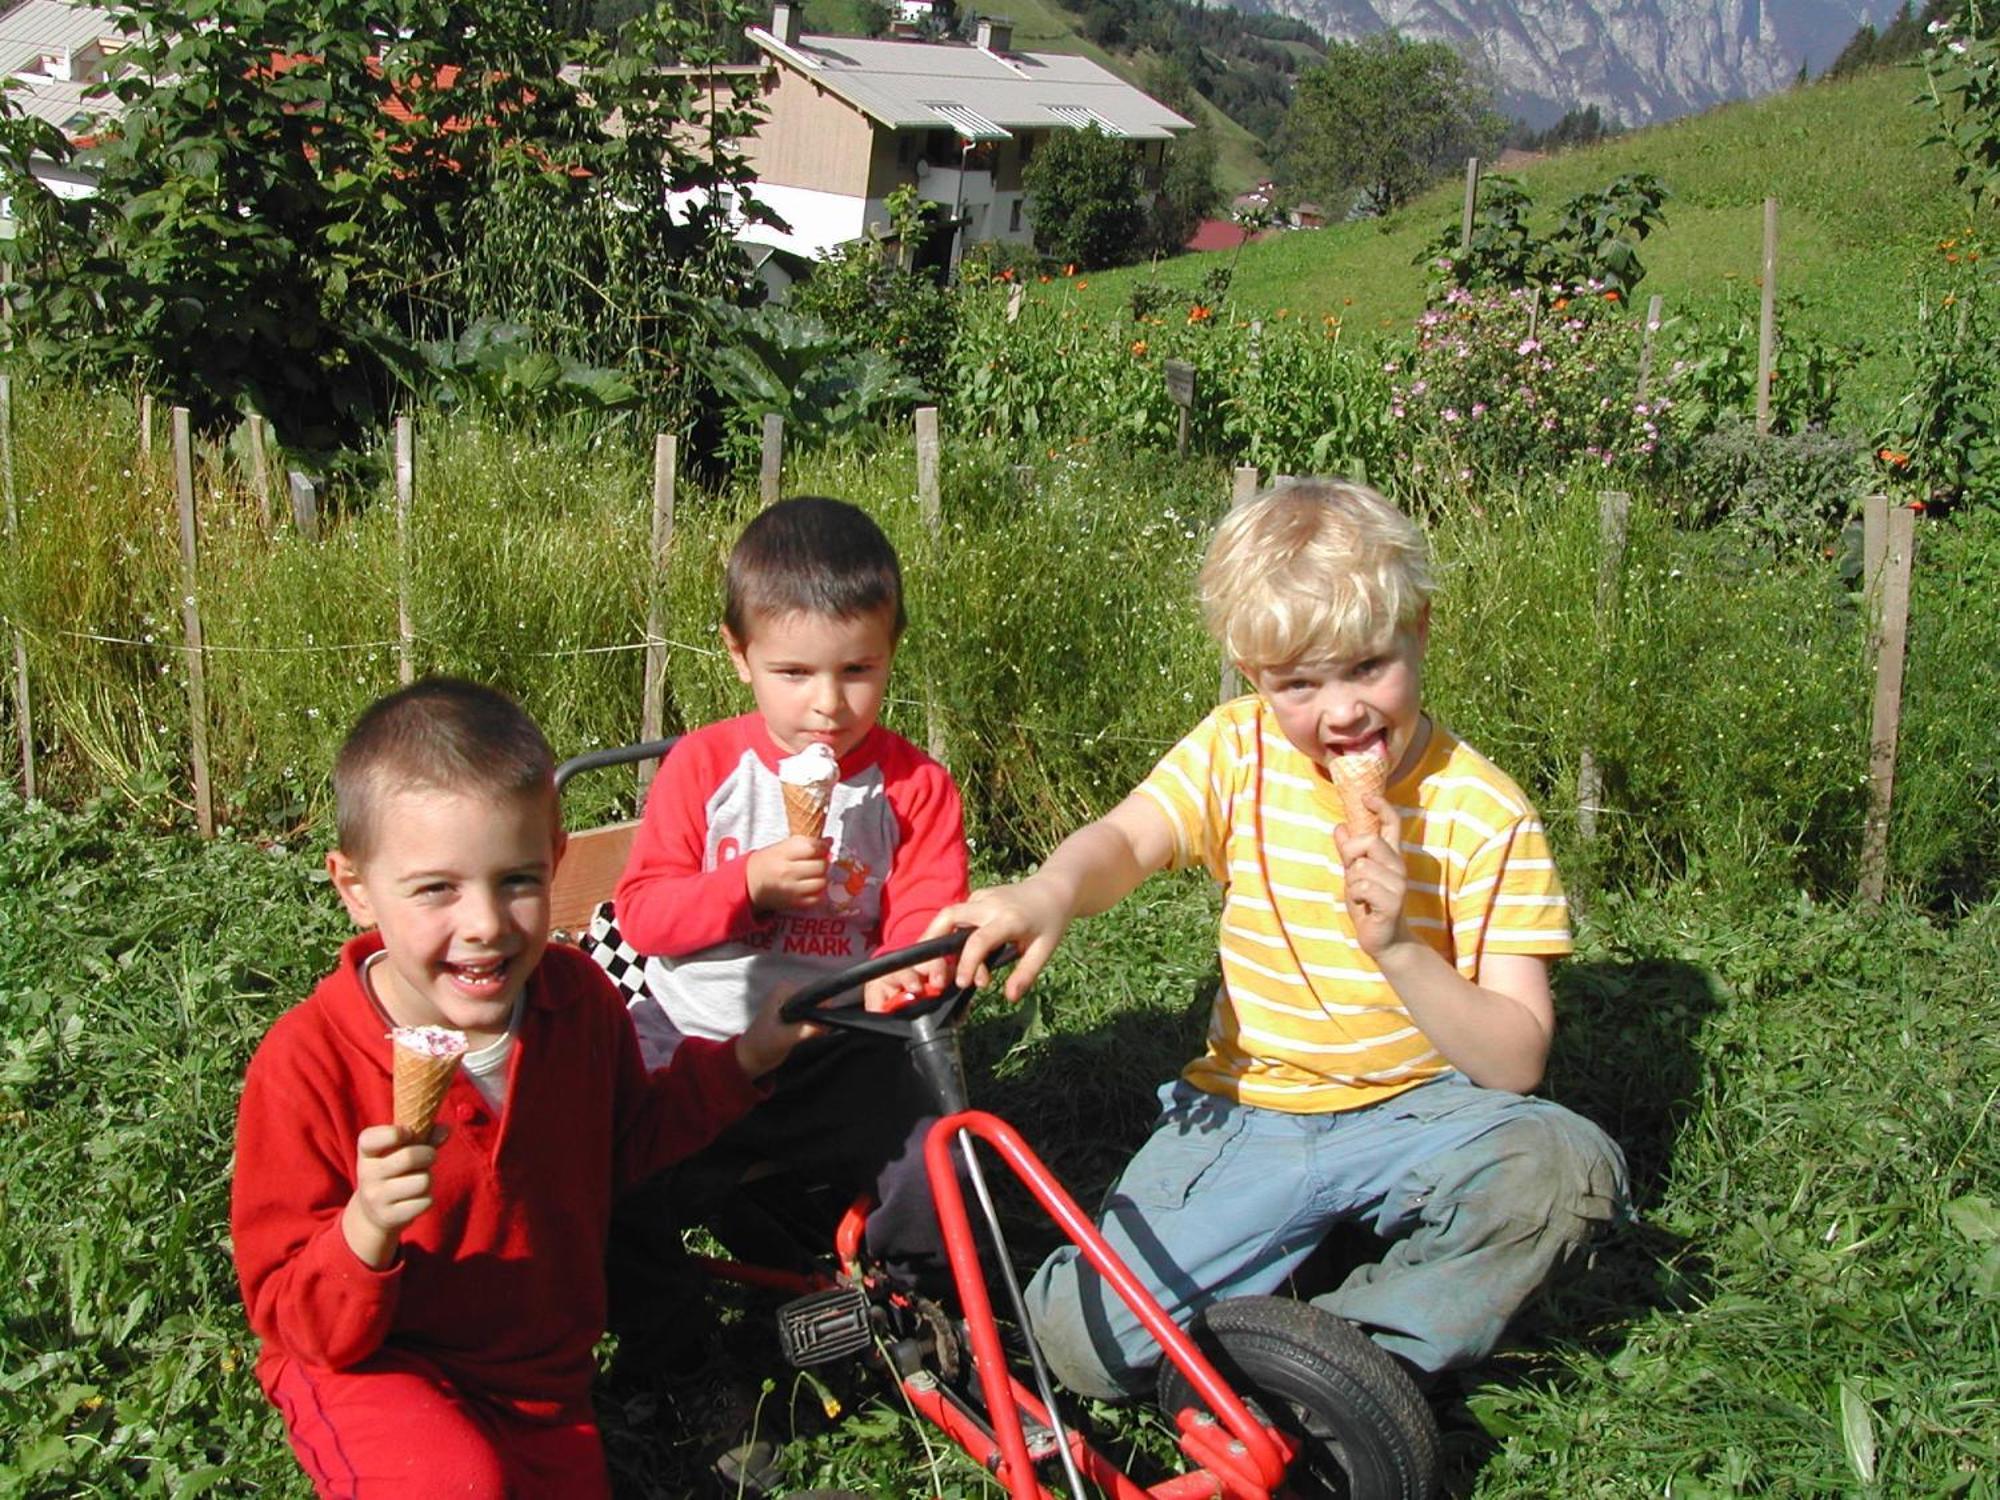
(1471, 203)
(1646, 337)
(305, 503)
(260, 472)
(1767, 318)
(774, 458)
(666, 465)
(23, 718)
(930, 504)
(1614, 513)
(406, 484)
(204, 803)
(1888, 641)
(1242, 487)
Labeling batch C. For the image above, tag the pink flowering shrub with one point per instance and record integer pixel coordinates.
(1507, 382)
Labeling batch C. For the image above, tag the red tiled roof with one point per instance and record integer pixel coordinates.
(1217, 234)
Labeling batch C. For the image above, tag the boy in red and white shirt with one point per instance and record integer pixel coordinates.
(732, 906)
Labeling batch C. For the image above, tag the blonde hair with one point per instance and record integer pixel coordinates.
(1313, 568)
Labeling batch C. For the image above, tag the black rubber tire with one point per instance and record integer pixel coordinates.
(1367, 1433)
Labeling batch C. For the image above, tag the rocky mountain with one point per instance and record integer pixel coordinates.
(1638, 60)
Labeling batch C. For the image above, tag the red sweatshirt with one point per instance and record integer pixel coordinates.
(501, 1282)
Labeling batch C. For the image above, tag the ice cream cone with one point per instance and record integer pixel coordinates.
(425, 1059)
(807, 780)
(1360, 779)
(805, 808)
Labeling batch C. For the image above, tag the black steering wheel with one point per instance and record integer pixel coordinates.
(836, 1000)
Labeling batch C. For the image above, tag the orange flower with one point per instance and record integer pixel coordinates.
(1082, 286)
(1070, 269)
(1611, 296)
(1918, 506)
(1043, 280)
(1560, 303)
(1199, 314)
(1951, 260)
(1008, 274)
(1893, 458)
(1138, 348)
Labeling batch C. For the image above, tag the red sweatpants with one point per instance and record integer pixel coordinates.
(394, 1428)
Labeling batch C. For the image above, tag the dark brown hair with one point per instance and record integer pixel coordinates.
(812, 556)
(442, 734)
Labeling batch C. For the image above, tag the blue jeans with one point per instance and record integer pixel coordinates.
(1484, 1193)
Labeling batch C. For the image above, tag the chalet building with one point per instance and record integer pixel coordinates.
(51, 53)
(849, 120)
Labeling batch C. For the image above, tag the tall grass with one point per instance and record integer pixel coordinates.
(1055, 650)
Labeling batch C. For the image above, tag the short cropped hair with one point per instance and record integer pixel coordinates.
(437, 734)
(813, 556)
(1313, 568)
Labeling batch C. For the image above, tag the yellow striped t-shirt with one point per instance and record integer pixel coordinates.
(1305, 1022)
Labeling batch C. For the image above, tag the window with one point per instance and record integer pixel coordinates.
(1014, 217)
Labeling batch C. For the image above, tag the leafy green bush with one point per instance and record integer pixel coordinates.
(878, 304)
(1783, 491)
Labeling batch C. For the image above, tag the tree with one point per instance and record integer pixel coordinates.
(298, 193)
(1084, 189)
(1188, 193)
(1385, 117)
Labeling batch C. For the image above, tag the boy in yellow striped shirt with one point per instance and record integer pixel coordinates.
(1385, 1004)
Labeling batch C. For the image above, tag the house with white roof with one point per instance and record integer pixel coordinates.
(51, 52)
(849, 120)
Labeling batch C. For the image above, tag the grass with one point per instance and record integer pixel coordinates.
(1809, 1304)
(1863, 204)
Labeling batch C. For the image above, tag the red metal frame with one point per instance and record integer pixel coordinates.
(1241, 1459)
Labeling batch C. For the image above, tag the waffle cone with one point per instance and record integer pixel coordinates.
(805, 808)
(1359, 779)
(421, 1082)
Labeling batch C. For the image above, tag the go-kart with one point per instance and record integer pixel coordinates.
(1267, 1396)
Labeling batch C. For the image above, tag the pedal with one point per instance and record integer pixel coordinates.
(825, 1326)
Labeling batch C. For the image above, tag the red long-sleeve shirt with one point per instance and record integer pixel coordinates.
(501, 1282)
(898, 858)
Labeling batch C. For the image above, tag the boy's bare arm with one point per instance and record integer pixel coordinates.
(1090, 871)
(1495, 1031)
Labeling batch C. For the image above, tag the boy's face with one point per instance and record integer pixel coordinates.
(458, 883)
(817, 680)
(1363, 705)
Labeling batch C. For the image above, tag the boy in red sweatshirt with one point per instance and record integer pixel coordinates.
(428, 1307)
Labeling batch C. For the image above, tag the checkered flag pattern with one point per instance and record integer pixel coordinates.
(606, 944)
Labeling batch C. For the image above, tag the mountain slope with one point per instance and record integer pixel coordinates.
(1641, 61)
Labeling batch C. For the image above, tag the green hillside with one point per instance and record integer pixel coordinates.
(1862, 207)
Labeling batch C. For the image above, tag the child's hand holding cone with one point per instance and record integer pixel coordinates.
(1360, 779)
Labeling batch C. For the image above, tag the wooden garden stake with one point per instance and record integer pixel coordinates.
(1014, 300)
(1179, 376)
(1890, 640)
(204, 803)
(1614, 513)
(406, 484)
(930, 504)
(146, 428)
(1242, 487)
(23, 719)
(774, 457)
(305, 504)
(666, 464)
(260, 472)
(1646, 337)
(1874, 547)
(1471, 203)
(1767, 318)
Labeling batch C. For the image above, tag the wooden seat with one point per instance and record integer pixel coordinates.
(596, 857)
(588, 874)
